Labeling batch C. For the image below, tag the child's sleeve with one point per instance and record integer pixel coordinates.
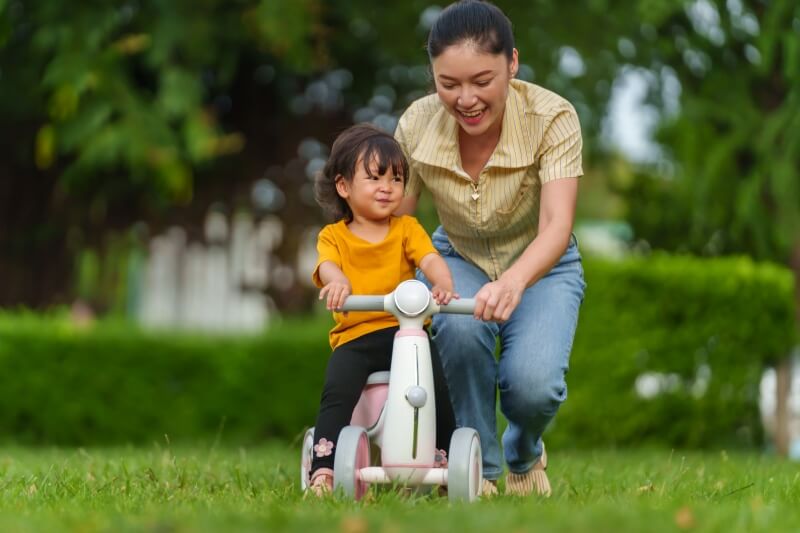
(327, 250)
(417, 243)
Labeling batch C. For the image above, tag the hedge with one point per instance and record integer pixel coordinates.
(706, 327)
(679, 319)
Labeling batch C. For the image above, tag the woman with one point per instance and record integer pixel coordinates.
(501, 158)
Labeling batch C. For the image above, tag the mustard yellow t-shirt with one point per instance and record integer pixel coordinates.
(371, 268)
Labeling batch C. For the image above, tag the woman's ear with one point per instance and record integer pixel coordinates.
(513, 66)
(342, 187)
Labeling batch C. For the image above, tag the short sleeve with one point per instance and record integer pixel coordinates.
(413, 185)
(417, 242)
(560, 153)
(327, 250)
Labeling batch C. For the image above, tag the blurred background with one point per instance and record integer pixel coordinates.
(157, 220)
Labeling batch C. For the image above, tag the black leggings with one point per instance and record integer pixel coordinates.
(348, 368)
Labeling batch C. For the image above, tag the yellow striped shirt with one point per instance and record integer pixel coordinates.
(540, 141)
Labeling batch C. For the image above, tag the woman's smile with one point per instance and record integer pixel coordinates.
(472, 118)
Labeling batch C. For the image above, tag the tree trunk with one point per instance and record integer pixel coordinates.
(784, 369)
(783, 377)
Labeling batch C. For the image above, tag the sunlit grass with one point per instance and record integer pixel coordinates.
(204, 489)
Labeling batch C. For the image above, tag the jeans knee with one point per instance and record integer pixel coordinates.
(533, 400)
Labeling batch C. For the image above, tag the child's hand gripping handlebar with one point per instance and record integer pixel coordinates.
(410, 302)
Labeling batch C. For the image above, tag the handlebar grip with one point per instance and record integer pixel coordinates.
(363, 303)
(463, 306)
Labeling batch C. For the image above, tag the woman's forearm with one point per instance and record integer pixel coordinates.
(541, 255)
(556, 216)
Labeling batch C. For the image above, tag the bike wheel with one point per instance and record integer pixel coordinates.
(352, 454)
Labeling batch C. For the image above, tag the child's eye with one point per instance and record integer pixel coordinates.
(398, 178)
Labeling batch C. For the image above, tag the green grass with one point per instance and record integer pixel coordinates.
(168, 489)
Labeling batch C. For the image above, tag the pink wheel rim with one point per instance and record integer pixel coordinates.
(362, 461)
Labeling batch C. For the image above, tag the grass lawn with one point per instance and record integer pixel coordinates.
(173, 489)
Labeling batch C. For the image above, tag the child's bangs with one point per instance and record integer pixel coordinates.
(382, 154)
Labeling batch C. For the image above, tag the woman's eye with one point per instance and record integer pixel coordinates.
(482, 83)
(448, 87)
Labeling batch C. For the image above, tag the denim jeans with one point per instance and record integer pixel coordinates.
(535, 344)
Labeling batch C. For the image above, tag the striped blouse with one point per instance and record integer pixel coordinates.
(490, 222)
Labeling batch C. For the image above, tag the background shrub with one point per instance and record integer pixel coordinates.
(702, 330)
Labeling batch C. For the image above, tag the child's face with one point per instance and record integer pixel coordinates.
(369, 195)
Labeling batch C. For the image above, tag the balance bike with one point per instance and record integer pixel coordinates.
(396, 411)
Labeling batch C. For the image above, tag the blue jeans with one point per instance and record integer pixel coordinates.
(535, 344)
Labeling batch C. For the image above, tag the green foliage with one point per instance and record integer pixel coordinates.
(126, 89)
(734, 139)
(111, 384)
(675, 315)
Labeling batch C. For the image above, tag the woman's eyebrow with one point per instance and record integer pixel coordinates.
(478, 75)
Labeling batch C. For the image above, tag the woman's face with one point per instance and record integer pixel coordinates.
(473, 86)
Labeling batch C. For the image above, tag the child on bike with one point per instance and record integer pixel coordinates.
(368, 251)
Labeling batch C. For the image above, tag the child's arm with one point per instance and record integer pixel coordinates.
(437, 272)
(336, 286)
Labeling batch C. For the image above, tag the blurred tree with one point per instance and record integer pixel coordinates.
(111, 108)
(732, 144)
(114, 112)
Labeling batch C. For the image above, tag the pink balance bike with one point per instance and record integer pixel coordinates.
(396, 411)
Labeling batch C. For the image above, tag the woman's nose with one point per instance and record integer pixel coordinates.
(466, 98)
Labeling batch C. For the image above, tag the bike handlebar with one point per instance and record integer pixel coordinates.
(363, 303)
(464, 306)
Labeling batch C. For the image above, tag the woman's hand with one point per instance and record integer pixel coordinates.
(497, 299)
(337, 292)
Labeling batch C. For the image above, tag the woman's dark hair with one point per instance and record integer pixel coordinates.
(472, 21)
(375, 147)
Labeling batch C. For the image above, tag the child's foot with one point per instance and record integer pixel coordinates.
(533, 481)
(321, 482)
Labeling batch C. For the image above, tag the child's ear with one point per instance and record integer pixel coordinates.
(342, 186)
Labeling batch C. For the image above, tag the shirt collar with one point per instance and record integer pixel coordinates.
(439, 143)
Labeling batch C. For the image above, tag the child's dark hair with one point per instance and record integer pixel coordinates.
(472, 21)
(374, 147)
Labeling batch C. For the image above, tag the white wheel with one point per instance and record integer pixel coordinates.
(352, 454)
(464, 466)
(306, 456)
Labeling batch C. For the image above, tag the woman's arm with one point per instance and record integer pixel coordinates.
(497, 300)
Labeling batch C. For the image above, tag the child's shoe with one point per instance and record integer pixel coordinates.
(534, 480)
(321, 482)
